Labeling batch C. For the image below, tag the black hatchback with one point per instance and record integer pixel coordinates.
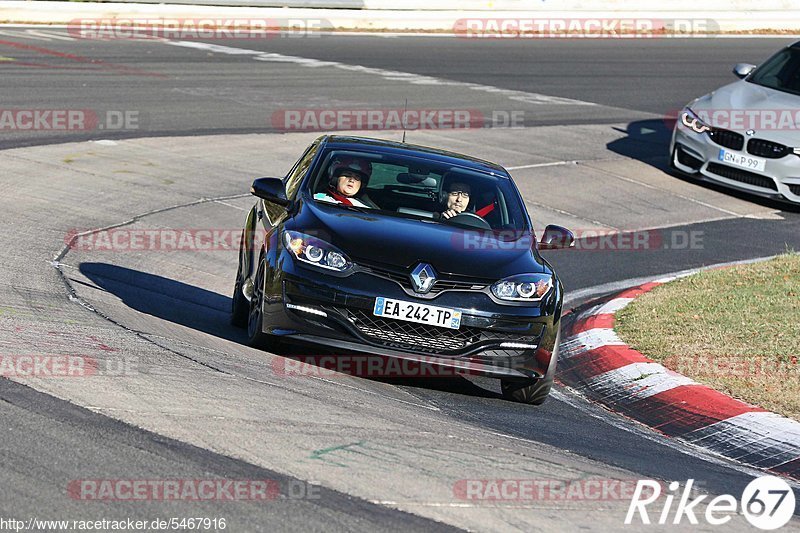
(407, 252)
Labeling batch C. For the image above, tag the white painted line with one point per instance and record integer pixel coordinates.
(231, 205)
(585, 341)
(49, 35)
(636, 381)
(664, 190)
(772, 439)
(23, 35)
(666, 279)
(567, 213)
(608, 308)
(579, 401)
(214, 48)
(393, 75)
(447, 34)
(540, 165)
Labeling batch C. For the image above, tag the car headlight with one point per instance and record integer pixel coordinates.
(523, 288)
(315, 251)
(693, 122)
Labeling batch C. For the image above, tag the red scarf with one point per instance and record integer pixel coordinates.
(339, 197)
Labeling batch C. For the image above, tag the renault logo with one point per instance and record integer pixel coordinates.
(422, 278)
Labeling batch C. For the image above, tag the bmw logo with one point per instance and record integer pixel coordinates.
(750, 133)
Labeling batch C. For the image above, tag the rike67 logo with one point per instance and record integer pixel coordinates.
(767, 502)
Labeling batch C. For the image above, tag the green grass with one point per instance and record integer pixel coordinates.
(736, 330)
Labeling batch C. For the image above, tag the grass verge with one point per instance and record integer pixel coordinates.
(735, 329)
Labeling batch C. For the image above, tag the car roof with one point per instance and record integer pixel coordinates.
(399, 148)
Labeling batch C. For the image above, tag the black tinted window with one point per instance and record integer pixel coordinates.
(295, 177)
(417, 187)
(780, 72)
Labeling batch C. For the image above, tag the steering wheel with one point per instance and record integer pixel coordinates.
(468, 219)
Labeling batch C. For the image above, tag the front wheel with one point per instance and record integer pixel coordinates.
(255, 319)
(534, 392)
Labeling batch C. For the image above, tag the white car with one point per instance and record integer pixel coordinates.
(746, 135)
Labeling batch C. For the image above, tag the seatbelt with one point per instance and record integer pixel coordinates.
(483, 211)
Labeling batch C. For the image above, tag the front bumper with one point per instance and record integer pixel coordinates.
(696, 154)
(337, 312)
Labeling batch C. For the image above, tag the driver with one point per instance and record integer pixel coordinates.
(456, 200)
(347, 177)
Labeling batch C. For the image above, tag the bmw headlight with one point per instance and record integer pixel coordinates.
(315, 251)
(523, 288)
(690, 119)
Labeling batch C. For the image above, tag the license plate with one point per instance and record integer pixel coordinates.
(417, 312)
(743, 161)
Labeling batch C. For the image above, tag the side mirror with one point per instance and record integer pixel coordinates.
(270, 189)
(742, 70)
(556, 237)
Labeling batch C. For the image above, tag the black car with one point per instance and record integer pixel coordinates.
(404, 252)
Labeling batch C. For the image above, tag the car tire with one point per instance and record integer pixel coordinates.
(533, 392)
(240, 307)
(255, 316)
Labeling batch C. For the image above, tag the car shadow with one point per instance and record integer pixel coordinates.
(208, 312)
(648, 141)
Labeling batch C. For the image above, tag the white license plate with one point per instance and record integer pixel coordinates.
(742, 161)
(416, 312)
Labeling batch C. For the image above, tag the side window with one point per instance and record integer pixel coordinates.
(295, 177)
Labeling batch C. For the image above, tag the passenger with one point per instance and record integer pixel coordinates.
(347, 182)
(456, 200)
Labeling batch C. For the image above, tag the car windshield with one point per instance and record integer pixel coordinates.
(419, 188)
(780, 72)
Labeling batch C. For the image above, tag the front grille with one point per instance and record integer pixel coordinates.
(742, 176)
(426, 338)
(767, 149)
(726, 138)
(441, 284)
(795, 189)
(685, 158)
(418, 335)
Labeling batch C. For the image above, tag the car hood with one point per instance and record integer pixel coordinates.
(402, 243)
(742, 96)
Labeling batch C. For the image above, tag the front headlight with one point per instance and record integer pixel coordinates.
(693, 122)
(315, 251)
(523, 288)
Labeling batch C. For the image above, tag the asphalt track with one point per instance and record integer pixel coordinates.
(203, 405)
